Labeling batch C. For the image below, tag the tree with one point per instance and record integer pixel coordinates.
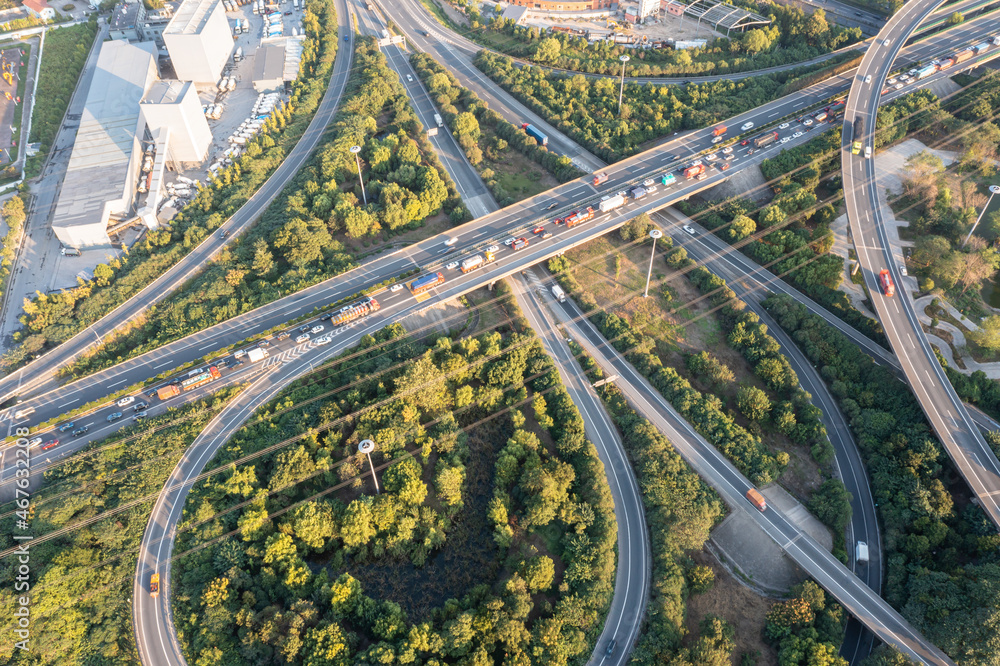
(756, 41)
(326, 645)
(548, 50)
(741, 227)
(423, 385)
(753, 403)
(263, 260)
(831, 503)
(465, 124)
(538, 573)
(955, 18)
(988, 333)
(701, 579)
(448, 483)
(103, 274)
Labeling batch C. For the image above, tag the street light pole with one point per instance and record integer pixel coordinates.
(993, 190)
(356, 150)
(621, 90)
(366, 447)
(654, 234)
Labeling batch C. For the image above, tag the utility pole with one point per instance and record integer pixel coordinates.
(621, 90)
(654, 234)
(356, 150)
(366, 447)
(993, 190)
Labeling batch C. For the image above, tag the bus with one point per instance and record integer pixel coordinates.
(859, 129)
(429, 281)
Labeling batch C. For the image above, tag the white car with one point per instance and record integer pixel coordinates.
(325, 340)
(409, 78)
(747, 126)
(302, 338)
(807, 122)
(493, 248)
(689, 230)
(902, 270)
(649, 182)
(786, 139)
(797, 135)
(35, 442)
(318, 328)
(395, 287)
(717, 139)
(886, 42)
(904, 78)
(727, 150)
(509, 241)
(452, 266)
(891, 81)
(730, 157)
(868, 79)
(711, 157)
(127, 400)
(912, 72)
(783, 126)
(451, 241)
(898, 86)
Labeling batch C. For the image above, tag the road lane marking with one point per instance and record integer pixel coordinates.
(162, 364)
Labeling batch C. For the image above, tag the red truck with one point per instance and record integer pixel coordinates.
(757, 499)
(579, 216)
(695, 170)
(600, 178)
(168, 392)
(520, 244)
(719, 131)
(888, 288)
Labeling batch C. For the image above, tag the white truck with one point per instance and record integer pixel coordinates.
(558, 292)
(611, 203)
(861, 553)
(437, 119)
(256, 354)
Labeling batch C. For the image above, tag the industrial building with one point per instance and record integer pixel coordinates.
(199, 41)
(269, 69)
(132, 126)
(130, 21)
(565, 5)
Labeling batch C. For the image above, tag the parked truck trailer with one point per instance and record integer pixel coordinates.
(535, 134)
(611, 203)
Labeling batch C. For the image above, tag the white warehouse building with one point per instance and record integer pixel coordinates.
(174, 105)
(199, 40)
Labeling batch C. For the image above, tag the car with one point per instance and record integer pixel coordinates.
(396, 287)
(546, 235)
(224, 363)
(326, 317)
(50, 445)
(695, 163)
(127, 400)
(140, 415)
(702, 176)
(725, 165)
(81, 431)
(886, 42)
(316, 329)
(151, 393)
(263, 343)
(727, 150)
(649, 182)
(783, 126)
(716, 140)
(885, 91)
(807, 122)
(224, 234)
(289, 14)
(898, 86)
(711, 157)
(538, 230)
(346, 38)
(302, 338)
(912, 72)
(797, 135)
(747, 126)
(857, 13)
(452, 266)
(730, 158)
(689, 230)
(786, 139)
(493, 248)
(868, 79)
(750, 152)
(902, 270)
(284, 335)
(904, 77)
(745, 142)
(891, 82)
(509, 241)
(302, 329)
(139, 406)
(35, 442)
(325, 340)
(114, 417)
(66, 426)
(409, 78)
(610, 650)
(451, 241)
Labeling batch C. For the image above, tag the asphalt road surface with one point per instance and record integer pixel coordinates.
(938, 399)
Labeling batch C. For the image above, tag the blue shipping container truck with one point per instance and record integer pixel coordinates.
(426, 282)
(980, 47)
(536, 135)
(926, 71)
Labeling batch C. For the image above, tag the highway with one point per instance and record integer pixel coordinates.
(634, 571)
(42, 371)
(938, 399)
(843, 584)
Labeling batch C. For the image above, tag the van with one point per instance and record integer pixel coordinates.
(861, 553)
(70, 252)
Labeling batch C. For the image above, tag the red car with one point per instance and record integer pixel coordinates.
(725, 165)
(745, 142)
(50, 445)
(538, 230)
(558, 220)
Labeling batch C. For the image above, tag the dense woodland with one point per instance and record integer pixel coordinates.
(492, 541)
(81, 582)
(941, 550)
(50, 319)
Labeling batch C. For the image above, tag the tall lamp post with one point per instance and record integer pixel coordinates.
(654, 234)
(366, 447)
(621, 89)
(993, 190)
(356, 150)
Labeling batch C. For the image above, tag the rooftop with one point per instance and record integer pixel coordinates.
(166, 92)
(191, 17)
(36, 5)
(268, 63)
(724, 16)
(126, 15)
(98, 167)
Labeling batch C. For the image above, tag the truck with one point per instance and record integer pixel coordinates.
(579, 216)
(600, 178)
(520, 244)
(980, 47)
(757, 499)
(611, 203)
(924, 72)
(962, 56)
(720, 130)
(765, 140)
(533, 132)
(996, 40)
(295, 4)
(238, 56)
(861, 552)
(885, 280)
(429, 281)
(154, 585)
(254, 355)
(821, 116)
(558, 292)
(859, 129)
(946, 63)
(437, 120)
(167, 392)
(638, 193)
(668, 179)
(356, 310)
(476, 262)
(201, 379)
(693, 171)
